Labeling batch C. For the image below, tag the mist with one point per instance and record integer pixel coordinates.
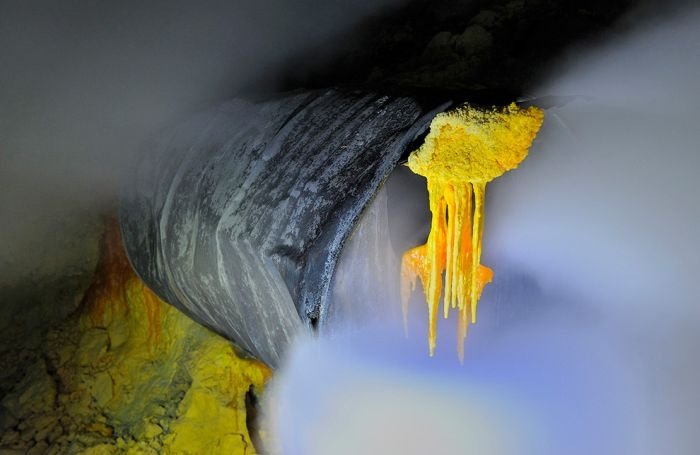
(84, 84)
(586, 339)
(87, 87)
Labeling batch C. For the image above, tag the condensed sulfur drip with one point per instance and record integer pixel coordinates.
(464, 150)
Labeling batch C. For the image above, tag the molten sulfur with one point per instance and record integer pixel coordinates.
(465, 149)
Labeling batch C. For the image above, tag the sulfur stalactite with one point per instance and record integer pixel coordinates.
(464, 150)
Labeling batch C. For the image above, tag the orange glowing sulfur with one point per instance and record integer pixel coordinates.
(464, 150)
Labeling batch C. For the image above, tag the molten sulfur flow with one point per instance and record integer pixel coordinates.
(464, 150)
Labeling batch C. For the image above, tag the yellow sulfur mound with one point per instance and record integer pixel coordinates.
(464, 150)
(132, 375)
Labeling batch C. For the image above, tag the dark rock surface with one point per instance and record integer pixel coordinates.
(491, 50)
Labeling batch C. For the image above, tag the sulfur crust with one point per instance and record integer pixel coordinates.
(464, 150)
(133, 375)
(476, 146)
(159, 344)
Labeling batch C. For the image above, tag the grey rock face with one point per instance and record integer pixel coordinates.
(239, 218)
(48, 254)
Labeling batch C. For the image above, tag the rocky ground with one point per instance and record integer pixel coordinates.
(127, 373)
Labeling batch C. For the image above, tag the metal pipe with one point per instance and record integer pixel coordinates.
(239, 218)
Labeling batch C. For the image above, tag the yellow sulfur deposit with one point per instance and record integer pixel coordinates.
(132, 375)
(464, 150)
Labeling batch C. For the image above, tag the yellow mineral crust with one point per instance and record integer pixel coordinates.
(132, 375)
(464, 150)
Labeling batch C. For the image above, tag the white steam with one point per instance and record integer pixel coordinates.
(84, 85)
(587, 338)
